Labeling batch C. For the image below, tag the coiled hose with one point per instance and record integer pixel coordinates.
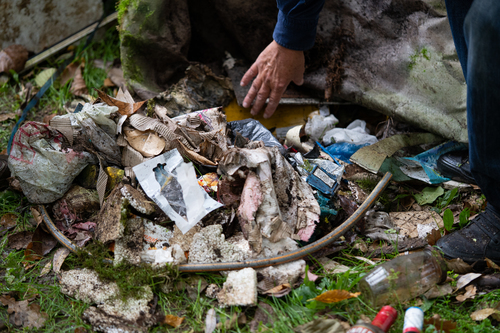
(256, 263)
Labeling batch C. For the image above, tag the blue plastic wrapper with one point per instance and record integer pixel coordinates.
(428, 160)
(343, 151)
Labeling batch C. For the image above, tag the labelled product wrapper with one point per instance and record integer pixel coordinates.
(173, 186)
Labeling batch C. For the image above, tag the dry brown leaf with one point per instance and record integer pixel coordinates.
(108, 82)
(7, 116)
(148, 143)
(29, 316)
(279, 291)
(466, 279)
(123, 100)
(78, 87)
(48, 118)
(491, 264)
(46, 269)
(334, 296)
(482, 314)
(20, 240)
(441, 325)
(173, 321)
(458, 266)
(14, 58)
(30, 254)
(433, 237)
(7, 300)
(7, 222)
(46, 240)
(59, 258)
(69, 72)
(36, 214)
(80, 330)
(470, 293)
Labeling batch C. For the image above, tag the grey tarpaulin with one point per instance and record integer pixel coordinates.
(393, 56)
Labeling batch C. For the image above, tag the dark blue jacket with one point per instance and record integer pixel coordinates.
(297, 21)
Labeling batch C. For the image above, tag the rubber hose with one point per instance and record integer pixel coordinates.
(256, 263)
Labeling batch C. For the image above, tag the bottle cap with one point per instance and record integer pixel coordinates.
(385, 318)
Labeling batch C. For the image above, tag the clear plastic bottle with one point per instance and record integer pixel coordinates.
(403, 278)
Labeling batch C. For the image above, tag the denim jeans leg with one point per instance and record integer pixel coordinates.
(482, 36)
(457, 10)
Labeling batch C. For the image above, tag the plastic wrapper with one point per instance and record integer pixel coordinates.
(355, 133)
(424, 166)
(173, 186)
(343, 150)
(209, 182)
(253, 130)
(45, 171)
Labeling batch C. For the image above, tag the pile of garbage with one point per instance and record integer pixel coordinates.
(161, 186)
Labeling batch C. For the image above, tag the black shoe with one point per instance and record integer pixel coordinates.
(455, 165)
(479, 240)
(4, 172)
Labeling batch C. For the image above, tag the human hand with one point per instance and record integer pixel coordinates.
(273, 70)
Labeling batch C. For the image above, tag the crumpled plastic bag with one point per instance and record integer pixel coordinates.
(173, 186)
(254, 131)
(44, 169)
(355, 133)
(318, 125)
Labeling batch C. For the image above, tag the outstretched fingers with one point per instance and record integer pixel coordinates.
(261, 99)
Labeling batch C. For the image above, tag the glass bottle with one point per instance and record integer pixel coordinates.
(403, 278)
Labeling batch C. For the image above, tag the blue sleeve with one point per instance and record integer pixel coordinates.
(297, 21)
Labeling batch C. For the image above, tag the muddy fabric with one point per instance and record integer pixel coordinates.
(396, 57)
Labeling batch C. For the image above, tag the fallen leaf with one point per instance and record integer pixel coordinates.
(482, 314)
(7, 222)
(48, 118)
(439, 291)
(470, 293)
(20, 240)
(334, 296)
(433, 237)
(441, 325)
(46, 269)
(29, 316)
(7, 116)
(210, 321)
(7, 300)
(14, 58)
(428, 195)
(466, 279)
(458, 266)
(46, 240)
(123, 100)
(69, 72)
(173, 321)
(148, 143)
(408, 222)
(332, 266)
(263, 316)
(30, 254)
(108, 82)
(491, 264)
(44, 76)
(78, 87)
(80, 330)
(36, 214)
(279, 291)
(59, 258)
